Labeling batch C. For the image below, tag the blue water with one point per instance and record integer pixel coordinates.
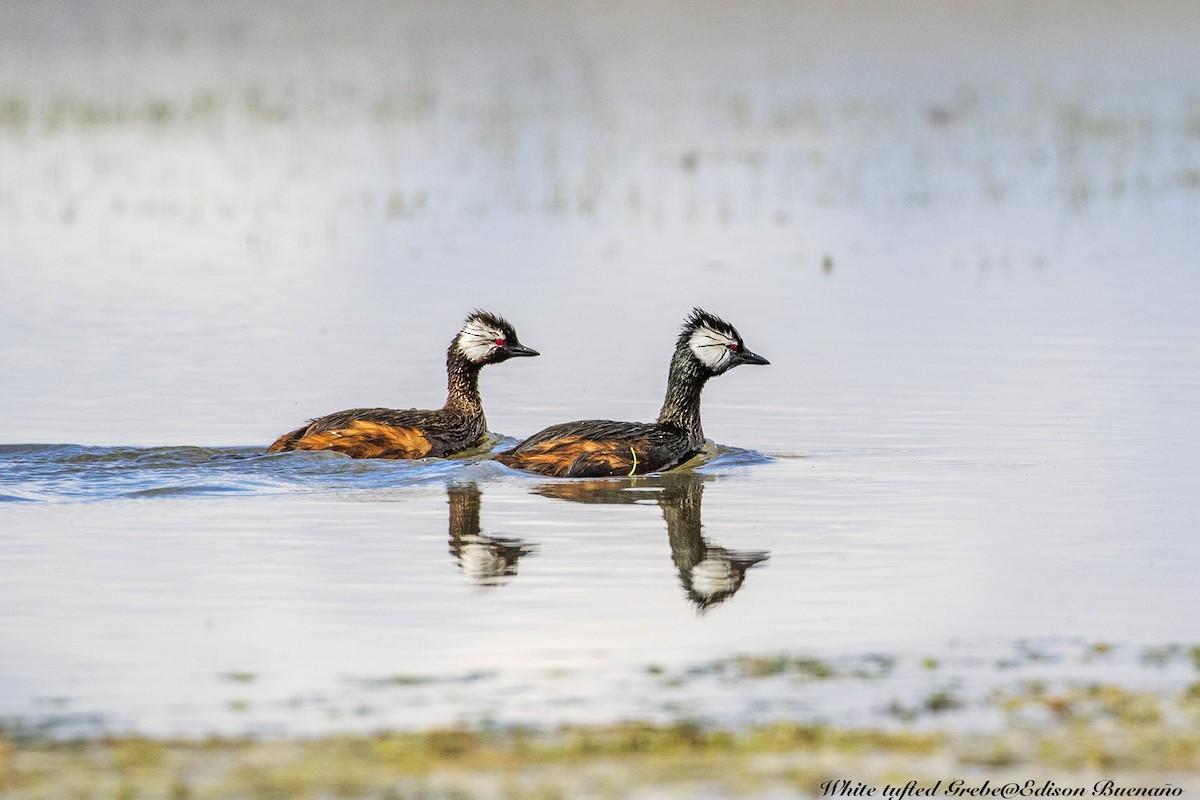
(58, 473)
(75, 473)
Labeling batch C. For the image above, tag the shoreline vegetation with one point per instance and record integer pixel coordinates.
(1126, 742)
(607, 761)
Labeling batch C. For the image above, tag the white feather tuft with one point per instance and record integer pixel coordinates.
(711, 347)
(712, 576)
(477, 340)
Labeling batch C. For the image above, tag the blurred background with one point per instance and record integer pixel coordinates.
(217, 220)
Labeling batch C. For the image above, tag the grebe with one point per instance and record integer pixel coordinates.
(707, 346)
(414, 433)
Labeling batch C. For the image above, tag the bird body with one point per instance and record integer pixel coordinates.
(387, 433)
(707, 346)
(597, 448)
(417, 433)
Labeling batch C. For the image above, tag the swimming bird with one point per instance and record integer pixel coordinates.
(415, 433)
(707, 346)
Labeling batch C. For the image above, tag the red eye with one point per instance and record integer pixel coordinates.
(733, 348)
(499, 343)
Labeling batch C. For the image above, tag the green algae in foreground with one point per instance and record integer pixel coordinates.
(1090, 738)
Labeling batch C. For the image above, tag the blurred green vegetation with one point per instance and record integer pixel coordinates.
(1130, 735)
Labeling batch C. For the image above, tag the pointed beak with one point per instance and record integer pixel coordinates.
(520, 350)
(747, 357)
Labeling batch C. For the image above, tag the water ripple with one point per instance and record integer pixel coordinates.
(77, 473)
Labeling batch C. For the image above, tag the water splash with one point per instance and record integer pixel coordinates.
(77, 473)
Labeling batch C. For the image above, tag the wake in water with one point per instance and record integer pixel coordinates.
(75, 473)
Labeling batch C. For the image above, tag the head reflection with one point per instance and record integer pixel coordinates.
(710, 574)
(487, 561)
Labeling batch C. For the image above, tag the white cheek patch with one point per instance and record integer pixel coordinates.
(479, 561)
(711, 347)
(478, 340)
(712, 576)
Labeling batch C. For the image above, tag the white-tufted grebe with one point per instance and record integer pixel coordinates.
(707, 346)
(415, 433)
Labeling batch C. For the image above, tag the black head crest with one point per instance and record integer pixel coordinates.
(714, 343)
(488, 338)
(699, 318)
(493, 321)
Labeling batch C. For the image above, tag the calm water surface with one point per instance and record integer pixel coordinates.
(971, 262)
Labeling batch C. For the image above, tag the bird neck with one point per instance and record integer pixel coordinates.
(462, 384)
(685, 382)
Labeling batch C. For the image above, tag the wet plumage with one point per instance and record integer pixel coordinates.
(707, 346)
(417, 433)
(599, 448)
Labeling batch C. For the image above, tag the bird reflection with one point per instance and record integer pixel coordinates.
(487, 561)
(709, 574)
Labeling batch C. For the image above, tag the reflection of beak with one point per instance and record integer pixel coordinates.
(519, 350)
(746, 357)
